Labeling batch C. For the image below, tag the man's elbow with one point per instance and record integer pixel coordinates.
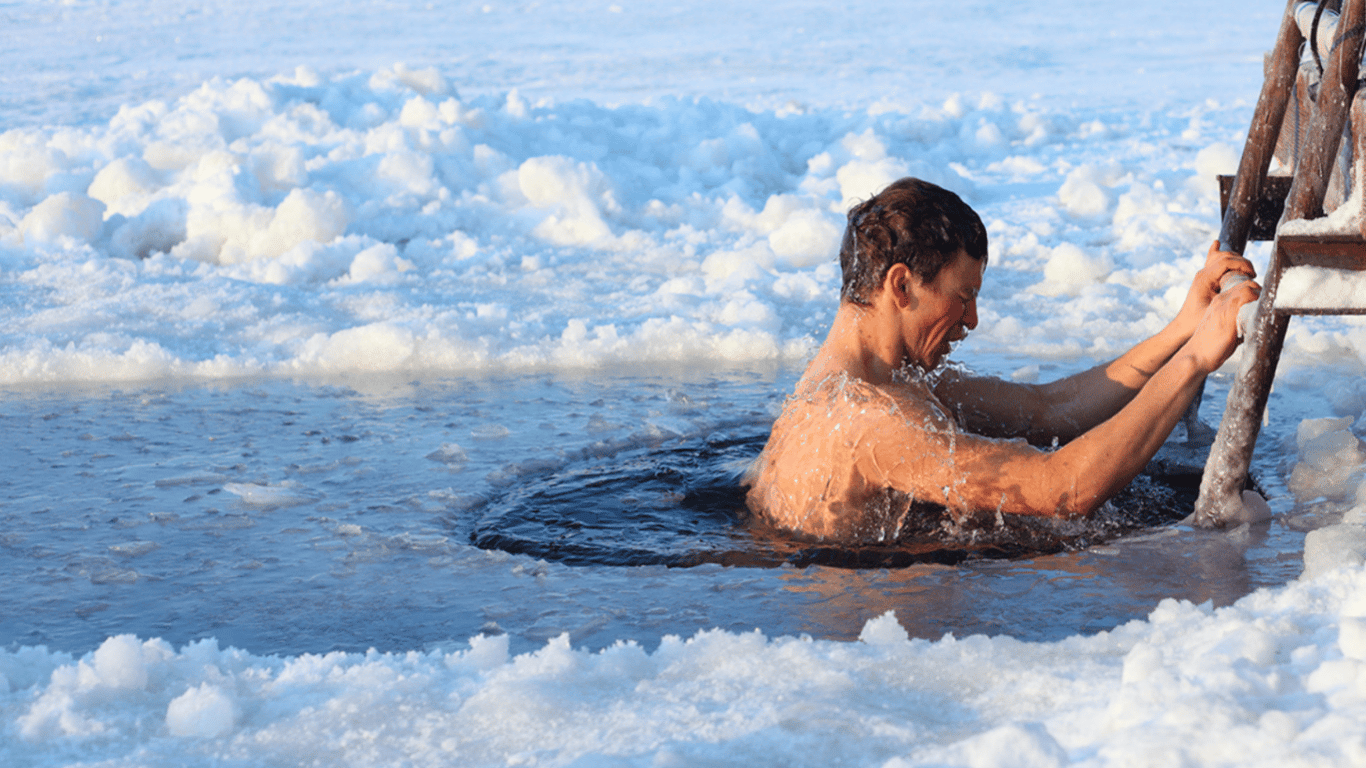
(1075, 491)
(1076, 506)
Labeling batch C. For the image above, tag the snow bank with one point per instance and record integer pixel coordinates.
(1271, 680)
(311, 225)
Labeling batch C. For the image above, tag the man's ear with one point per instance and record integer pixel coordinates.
(898, 284)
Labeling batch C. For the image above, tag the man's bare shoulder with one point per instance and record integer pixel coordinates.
(819, 472)
(843, 391)
(843, 417)
(848, 397)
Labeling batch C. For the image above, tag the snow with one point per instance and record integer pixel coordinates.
(1274, 679)
(1321, 288)
(207, 194)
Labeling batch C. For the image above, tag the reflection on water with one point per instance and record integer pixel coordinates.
(1052, 596)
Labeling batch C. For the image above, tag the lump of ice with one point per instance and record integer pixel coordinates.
(449, 453)
(134, 548)
(884, 630)
(490, 432)
(577, 196)
(1025, 745)
(64, 214)
(286, 494)
(1352, 637)
(157, 228)
(223, 229)
(1333, 547)
(124, 185)
(1084, 193)
(194, 478)
(205, 711)
(1330, 460)
(378, 264)
(119, 663)
(1070, 269)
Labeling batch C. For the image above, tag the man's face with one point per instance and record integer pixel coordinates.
(942, 311)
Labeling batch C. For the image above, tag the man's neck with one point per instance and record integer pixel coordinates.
(864, 342)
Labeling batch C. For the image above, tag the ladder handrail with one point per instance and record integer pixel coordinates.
(1262, 134)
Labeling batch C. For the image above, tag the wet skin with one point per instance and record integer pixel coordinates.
(942, 311)
(867, 430)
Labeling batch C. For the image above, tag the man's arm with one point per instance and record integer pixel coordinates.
(924, 454)
(1060, 411)
(1067, 408)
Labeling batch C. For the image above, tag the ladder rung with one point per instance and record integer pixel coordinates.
(1336, 251)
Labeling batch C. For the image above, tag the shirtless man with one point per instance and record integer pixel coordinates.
(876, 426)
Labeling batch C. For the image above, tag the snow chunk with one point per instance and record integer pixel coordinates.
(1083, 194)
(884, 630)
(1330, 460)
(122, 185)
(64, 214)
(378, 264)
(1331, 547)
(202, 712)
(1321, 288)
(806, 238)
(1023, 745)
(222, 231)
(1070, 269)
(577, 194)
(427, 82)
(1210, 162)
(119, 663)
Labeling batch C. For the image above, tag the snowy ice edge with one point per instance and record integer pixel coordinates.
(1278, 677)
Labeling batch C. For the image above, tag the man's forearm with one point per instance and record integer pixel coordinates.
(1105, 459)
(1082, 401)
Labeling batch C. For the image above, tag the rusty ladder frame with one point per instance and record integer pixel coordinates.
(1226, 470)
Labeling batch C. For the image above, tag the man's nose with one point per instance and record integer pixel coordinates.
(970, 315)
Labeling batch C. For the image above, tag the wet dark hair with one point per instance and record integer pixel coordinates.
(911, 222)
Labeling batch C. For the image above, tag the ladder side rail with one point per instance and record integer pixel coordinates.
(1336, 90)
(1260, 147)
(1262, 134)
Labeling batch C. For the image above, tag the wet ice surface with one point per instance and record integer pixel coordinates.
(290, 517)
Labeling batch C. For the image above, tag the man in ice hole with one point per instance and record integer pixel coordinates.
(877, 423)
